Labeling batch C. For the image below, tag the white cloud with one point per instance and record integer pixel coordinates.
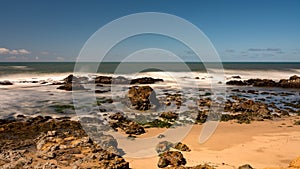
(6, 51)
(60, 58)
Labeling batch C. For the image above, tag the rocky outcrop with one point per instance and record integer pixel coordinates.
(172, 158)
(142, 97)
(53, 143)
(292, 82)
(240, 109)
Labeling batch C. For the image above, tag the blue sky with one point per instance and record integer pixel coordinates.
(240, 30)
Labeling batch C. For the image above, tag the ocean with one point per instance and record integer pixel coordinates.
(109, 67)
(32, 92)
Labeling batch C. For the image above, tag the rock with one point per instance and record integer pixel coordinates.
(236, 82)
(295, 163)
(6, 83)
(163, 146)
(133, 128)
(169, 115)
(145, 80)
(142, 97)
(123, 80)
(295, 77)
(70, 87)
(103, 79)
(62, 140)
(182, 147)
(172, 158)
(246, 166)
(292, 82)
(236, 77)
(201, 117)
(101, 91)
(128, 126)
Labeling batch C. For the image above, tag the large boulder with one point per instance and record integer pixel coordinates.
(142, 97)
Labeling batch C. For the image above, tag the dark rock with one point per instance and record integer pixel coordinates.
(292, 82)
(103, 79)
(123, 80)
(70, 87)
(6, 83)
(145, 80)
(295, 77)
(101, 91)
(236, 82)
(236, 77)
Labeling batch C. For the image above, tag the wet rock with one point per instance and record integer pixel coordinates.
(70, 87)
(236, 77)
(6, 82)
(103, 79)
(142, 97)
(201, 117)
(236, 82)
(129, 127)
(123, 80)
(172, 158)
(169, 115)
(101, 91)
(145, 80)
(292, 82)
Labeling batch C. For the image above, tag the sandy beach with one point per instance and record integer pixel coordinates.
(260, 144)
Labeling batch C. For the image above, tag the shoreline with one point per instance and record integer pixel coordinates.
(270, 140)
(261, 144)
